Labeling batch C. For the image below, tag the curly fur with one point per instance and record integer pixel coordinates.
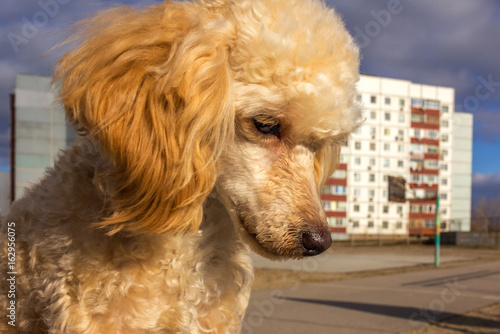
(142, 225)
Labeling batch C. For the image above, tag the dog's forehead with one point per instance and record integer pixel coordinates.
(297, 57)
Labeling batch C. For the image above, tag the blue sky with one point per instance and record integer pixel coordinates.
(453, 43)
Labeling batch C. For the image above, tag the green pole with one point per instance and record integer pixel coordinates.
(438, 235)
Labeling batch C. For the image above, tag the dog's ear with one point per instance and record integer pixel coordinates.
(152, 88)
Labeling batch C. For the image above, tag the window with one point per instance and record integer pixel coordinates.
(357, 177)
(357, 161)
(444, 182)
(359, 98)
(341, 206)
(356, 208)
(373, 131)
(429, 223)
(340, 190)
(386, 162)
(430, 104)
(417, 103)
(432, 149)
(401, 118)
(444, 167)
(444, 138)
(431, 119)
(386, 209)
(372, 178)
(344, 159)
(417, 118)
(401, 163)
(444, 124)
(444, 109)
(401, 148)
(432, 134)
(357, 145)
(417, 133)
(431, 164)
(385, 225)
(372, 147)
(417, 148)
(387, 147)
(332, 221)
(355, 224)
(371, 193)
(399, 225)
(327, 206)
(339, 174)
(373, 115)
(444, 196)
(400, 209)
(371, 224)
(357, 192)
(387, 100)
(401, 102)
(387, 116)
(371, 208)
(387, 132)
(372, 162)
(333, 190)
(373, 99)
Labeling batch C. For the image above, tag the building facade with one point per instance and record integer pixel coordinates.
(38, 131)
(411, 131)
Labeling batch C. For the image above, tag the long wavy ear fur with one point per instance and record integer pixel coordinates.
(152, 88)
(326, 162)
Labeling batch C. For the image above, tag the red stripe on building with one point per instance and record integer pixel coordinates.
(338, 229)
(425, 171)
(421, 215)
(426, 126)
(336, 214)
(342, 167)
(336, 182)
(431, 156)
(338, 198)
(426, 141)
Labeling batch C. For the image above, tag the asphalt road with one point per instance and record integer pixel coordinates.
(378, 304)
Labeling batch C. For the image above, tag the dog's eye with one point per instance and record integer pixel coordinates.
(268, 126)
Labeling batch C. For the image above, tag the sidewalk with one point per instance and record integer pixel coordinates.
(377, 304)
(343, 263)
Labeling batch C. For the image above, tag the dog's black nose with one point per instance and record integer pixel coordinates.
(316, 242)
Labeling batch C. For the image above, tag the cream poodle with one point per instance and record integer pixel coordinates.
(204, 127)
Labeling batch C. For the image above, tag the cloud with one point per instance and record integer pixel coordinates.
(485, 186)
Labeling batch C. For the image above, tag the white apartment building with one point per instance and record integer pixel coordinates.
(411, 131)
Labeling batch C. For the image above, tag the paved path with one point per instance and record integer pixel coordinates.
(380, 304)
(338, 263)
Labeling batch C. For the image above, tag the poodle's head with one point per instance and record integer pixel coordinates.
(245, 99)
